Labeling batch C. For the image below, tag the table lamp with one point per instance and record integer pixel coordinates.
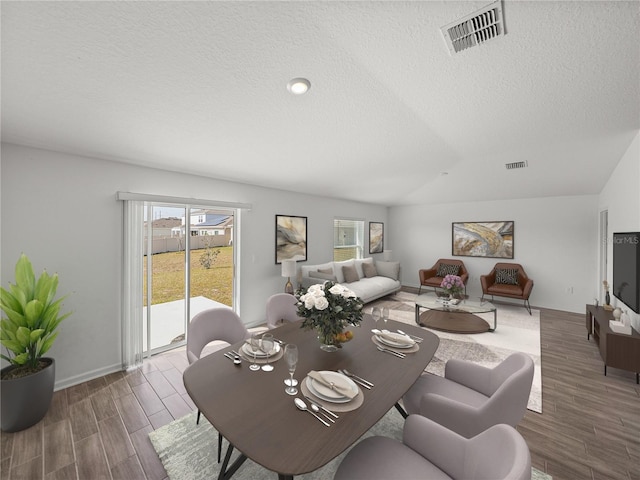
(288, 270)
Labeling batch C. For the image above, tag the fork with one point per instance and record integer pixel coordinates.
(386, 350)
(365, 383)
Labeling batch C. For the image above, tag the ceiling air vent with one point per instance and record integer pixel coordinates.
(511, 166)
(474, 29)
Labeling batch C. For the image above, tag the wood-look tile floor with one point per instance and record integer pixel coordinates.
(589, 428)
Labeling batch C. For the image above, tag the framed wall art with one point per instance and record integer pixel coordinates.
(291, 238)
(482, 239)
(376, 237)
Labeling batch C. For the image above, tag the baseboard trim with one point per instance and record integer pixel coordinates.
(85, 377)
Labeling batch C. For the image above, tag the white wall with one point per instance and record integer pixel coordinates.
(621, 198)
(552, 241)
(44, 193)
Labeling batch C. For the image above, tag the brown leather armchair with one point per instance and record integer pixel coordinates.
(508, 280)
(429, 276)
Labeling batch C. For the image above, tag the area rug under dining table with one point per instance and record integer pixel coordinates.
(188, 451)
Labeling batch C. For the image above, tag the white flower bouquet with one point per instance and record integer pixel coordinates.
(329, 308)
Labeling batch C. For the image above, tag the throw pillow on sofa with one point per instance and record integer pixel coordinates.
(359, 262)
(389, 269)
(350, 273)
(337, 268)
(323, 276)
(369, 270)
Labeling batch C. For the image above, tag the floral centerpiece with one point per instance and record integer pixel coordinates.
(328, 309)
(452, 285)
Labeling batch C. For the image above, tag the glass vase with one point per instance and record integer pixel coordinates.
(328, 342)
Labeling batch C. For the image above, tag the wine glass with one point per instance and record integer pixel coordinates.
(375, 313)
(291, 362)
(385, 314)
(254, 343)
(267, 344)
(291, 357)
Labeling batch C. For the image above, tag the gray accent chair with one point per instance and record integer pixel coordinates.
(432, 452)
(471, 398)
(210, 325)
(281, 307)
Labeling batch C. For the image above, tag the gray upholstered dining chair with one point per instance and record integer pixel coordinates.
(220, 323)
(430, 451)
(281, 307)
(471, 398)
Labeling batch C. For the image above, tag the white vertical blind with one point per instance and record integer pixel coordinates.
(132, 341)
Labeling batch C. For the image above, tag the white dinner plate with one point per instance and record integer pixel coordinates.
(328, 395)
(246, 348)
(391, 343)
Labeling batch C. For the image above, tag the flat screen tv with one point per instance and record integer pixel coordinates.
(626, 269)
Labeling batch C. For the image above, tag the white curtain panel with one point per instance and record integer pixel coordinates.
(132, 341)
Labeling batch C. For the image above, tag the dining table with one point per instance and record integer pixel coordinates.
(252, 411)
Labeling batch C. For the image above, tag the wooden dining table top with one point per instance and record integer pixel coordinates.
(253, 412)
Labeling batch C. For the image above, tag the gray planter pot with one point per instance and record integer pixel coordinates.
(26, 400)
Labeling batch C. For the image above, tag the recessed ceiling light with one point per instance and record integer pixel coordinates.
(299, 86)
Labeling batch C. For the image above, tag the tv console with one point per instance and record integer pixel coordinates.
(618, 350)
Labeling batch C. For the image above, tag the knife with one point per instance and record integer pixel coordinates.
(362, 381)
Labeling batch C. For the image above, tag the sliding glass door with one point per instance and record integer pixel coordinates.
(188, 266)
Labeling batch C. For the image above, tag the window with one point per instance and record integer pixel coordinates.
(348, 239)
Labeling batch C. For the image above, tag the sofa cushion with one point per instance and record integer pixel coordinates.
(327, 271)
(388, 269)
(323, 276)
(369, 270)
(507, 276)
(337, 269)
(375, 287)
(445, 269)
(306, 269)
(350, 273)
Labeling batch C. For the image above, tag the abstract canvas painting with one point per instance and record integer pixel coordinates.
(483, 239)
(376, 237)
(291, 238)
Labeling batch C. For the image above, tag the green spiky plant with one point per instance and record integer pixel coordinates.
(32, 317)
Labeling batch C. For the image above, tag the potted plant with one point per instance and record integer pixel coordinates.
(28, 332)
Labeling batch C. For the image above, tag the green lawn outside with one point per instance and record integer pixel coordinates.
(168, 276)
(214, 283)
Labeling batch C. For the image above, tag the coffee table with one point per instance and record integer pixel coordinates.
(455, 318)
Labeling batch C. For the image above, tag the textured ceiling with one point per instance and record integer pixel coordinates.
(200, 87)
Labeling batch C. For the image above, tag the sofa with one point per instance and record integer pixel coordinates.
(367, 278)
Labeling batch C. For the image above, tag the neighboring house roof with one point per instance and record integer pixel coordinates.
(166, 222)
(214, 221)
